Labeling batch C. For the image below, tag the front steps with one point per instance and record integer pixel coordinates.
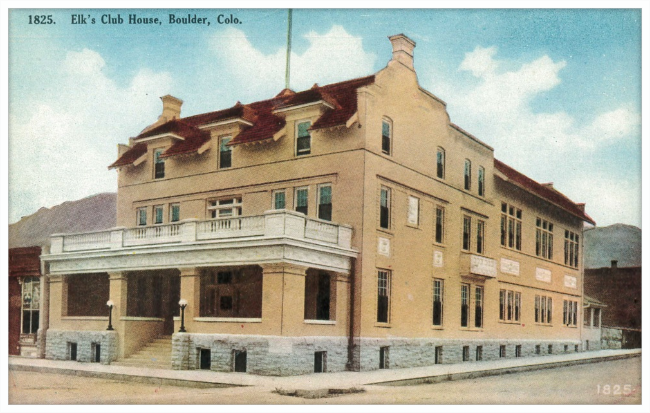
(155, 355)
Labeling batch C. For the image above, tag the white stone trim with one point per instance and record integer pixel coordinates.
(85, 318)
(225, 320)
(321, 322)
(131, 318)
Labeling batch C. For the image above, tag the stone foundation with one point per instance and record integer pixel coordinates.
(265, 355)
(57, 345)
(285, 356)
(403, 353)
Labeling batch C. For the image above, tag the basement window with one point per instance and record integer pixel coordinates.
(239, 361)
(320, 362)
(205, 359)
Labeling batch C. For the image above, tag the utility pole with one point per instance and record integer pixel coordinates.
(288, 66)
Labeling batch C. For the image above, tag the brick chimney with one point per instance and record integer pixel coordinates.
(614, 264)
(403, 50)
(171, 108)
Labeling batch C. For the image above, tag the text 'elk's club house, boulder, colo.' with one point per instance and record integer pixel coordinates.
(350, 226)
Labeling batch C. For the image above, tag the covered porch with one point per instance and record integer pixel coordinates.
(285, 276)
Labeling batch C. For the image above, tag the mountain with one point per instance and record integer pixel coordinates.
(615, 242)
(93, 213)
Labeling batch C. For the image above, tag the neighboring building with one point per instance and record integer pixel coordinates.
(593, 322)
(24, 300)
(349, 226)
(620, 289)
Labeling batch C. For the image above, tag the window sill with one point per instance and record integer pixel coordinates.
(224, 320)
(131, 318)
(413, 226)
(437, 328)
(385, 231)
(383, 325)
(472, 329)
(544, 324)
(438, 244)
(87, 318)
(321, 322)
(516, 323)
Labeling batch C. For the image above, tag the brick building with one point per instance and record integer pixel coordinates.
(350, 226)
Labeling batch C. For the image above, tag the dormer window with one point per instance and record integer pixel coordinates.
(303, 139)
(386, 136)
(159, 164)
(225, 153)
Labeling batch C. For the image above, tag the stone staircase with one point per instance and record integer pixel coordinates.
(155, 355)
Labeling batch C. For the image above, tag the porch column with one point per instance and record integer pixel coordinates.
(118, 294)
(591, 317)
(190, 291)
(283, 299)
(44, 315)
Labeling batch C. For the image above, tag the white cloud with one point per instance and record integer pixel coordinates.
(547, 146)
(60, 147)
(330, 57)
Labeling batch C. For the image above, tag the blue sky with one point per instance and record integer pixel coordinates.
(557, 93)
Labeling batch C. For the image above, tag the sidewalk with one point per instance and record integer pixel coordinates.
(314, 382)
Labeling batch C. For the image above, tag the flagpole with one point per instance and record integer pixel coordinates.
(288, 66)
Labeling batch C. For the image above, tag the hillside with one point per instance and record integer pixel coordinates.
(93, 213)
(615, 242)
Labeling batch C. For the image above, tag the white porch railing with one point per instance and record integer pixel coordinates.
(275, 223)
(159, 234)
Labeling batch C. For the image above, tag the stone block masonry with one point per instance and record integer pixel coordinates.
(265, 355)
(58, 344)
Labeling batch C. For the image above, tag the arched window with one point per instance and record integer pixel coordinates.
(386, 136)
(440, 163)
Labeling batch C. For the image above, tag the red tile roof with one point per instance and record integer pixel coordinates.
(130, 156)
(265, 124)
(542, 191)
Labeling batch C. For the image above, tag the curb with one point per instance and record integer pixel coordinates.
(161, 381)
(498, 372)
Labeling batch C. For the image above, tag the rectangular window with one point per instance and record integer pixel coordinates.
(325, 202)
(440, 224)
(302, 200)
(383, 296)
(480, 236)
(279, 199)
(465, 353)
(479, 353)
(225, 208)
(518, 350)
(440, 163)
(384, 355)
(481, 181)
(467, 232)
(570, 313)
(571, 247)
(141, 216)
(225, 153)
(543, 309)
(31, 301)
(414, 211)
(303, 140)
(174, 212)
(159, 164)
(468, 174)
(384, 208)
(596, 317)
(509, 306)
(538, 349)
(550, 349)
(158, 214)
(510, 226)
(478, 307)
(464, 305)
(438, 291)
(438, 355)
(544, 239)
(502, 351)
(386, 134)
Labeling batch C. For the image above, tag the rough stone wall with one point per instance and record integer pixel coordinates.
(611, 338)
(403, 353)
(57, 345)
(273, 356)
